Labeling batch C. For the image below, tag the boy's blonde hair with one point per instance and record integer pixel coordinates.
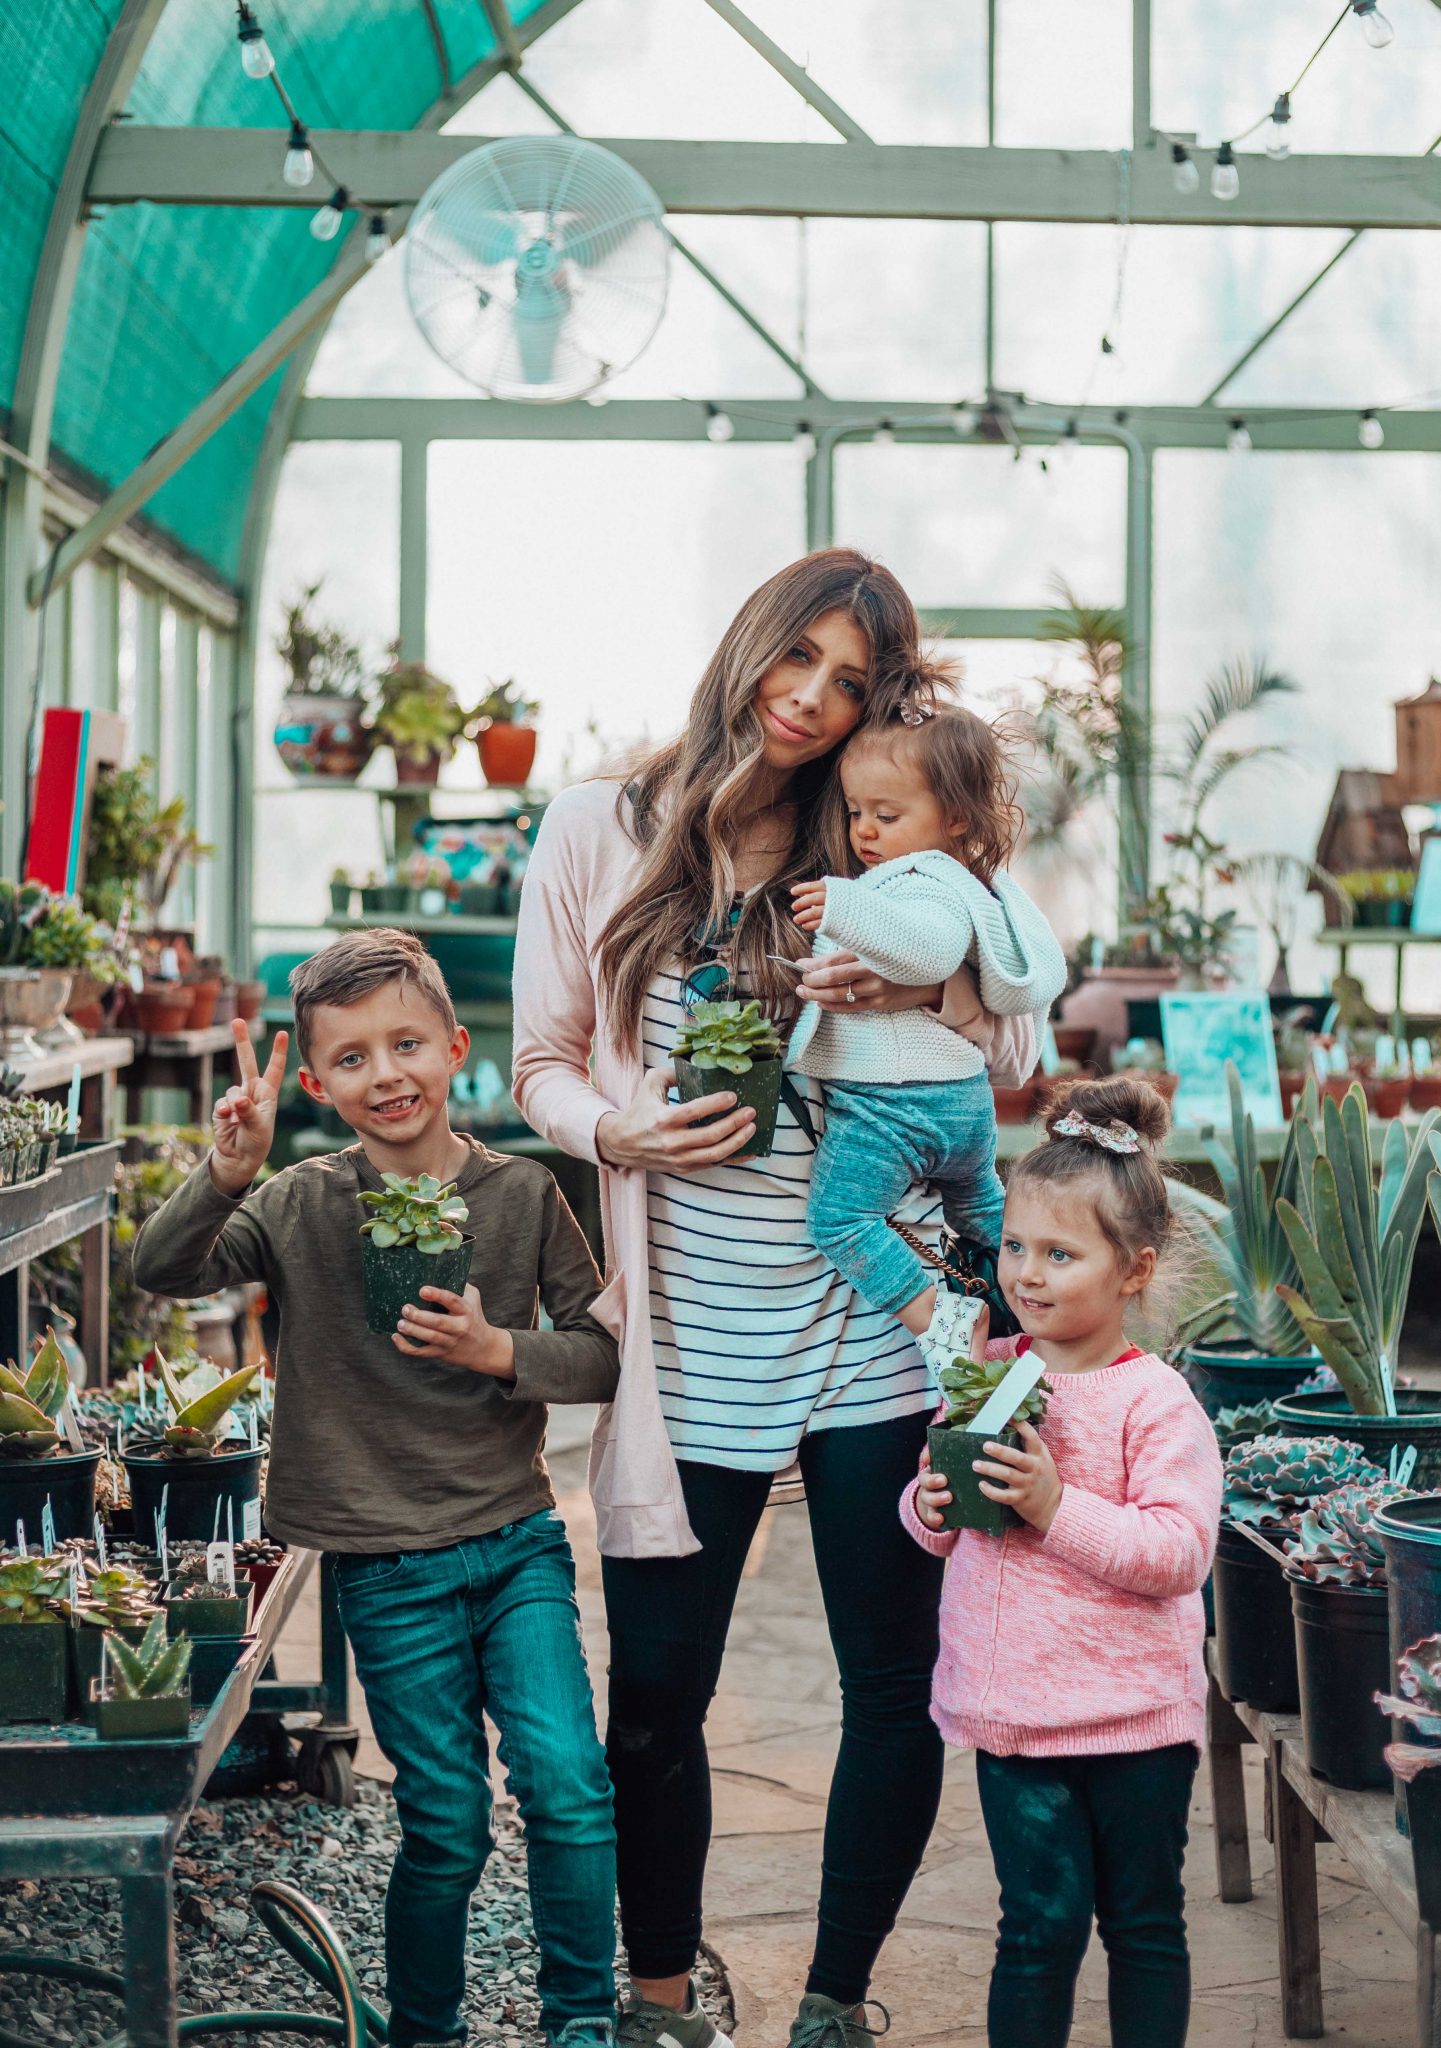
(355, 967)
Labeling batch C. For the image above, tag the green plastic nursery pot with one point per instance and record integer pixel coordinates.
(67, 1482)
(1233, 1376)
(395, 1274)
(953, 1451)
(212, 1659)
(33, 1671)
(759, 1089)
(153, 1720)
(85, 1642)
(1255, 1633)
(1342, 1659)
(1423, 1817)
(197, 1487)
(1417, 1421)
(213, 1614)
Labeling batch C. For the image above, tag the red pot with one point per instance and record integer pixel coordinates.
(203, 997)
(1074, 1041)
(1292, 1087)
(507, 754)
(1425, 1092)
(249, 995)
(1337, 1086)
(1015, 1105)
(1100, 1002)
(162, 1009)
(1386, 1098)
(413, 774)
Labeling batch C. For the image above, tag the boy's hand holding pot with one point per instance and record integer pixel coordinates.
(455, 1331)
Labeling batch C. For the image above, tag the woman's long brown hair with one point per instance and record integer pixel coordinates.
(689, 798)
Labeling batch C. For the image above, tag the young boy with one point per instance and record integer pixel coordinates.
(415, 1460)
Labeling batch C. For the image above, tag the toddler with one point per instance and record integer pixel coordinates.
(1072, 1645)
(932, 822)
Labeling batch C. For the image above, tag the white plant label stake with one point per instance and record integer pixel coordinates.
(1403, 1463)
(47, 1527)
(100, 1543)
(70, 1426)
(20, 1539)
(1003, 1403)
(220, 1566)
(1388, 1383)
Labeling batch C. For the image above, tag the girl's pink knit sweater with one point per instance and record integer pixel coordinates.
(1089, 1639)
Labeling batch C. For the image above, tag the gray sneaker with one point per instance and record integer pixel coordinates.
(643, 2025)
(584, 2034)
(821, 2023)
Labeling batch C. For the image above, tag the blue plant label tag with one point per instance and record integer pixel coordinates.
(1007, 1398)
(1403, 1463)
(47, 1527)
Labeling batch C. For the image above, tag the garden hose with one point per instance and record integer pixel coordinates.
(319, 1951)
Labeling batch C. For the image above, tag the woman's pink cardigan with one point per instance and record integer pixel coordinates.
(567, 1075)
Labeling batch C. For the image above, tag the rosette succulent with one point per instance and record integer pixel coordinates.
(968, 1383)
(420, 1212)
(1239, 1425)
(1418, 1674)
(728, 1037)
(1336, 1542)
(116, 1598)
(1273, 1479)
(31, 1588)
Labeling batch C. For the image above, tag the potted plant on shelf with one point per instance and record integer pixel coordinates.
(33, 995)
(1380, 898)
(201, 1476)
(200, 1607)
(731, 1045)
(1146, 1057)
(142, 1693)
(1354, 1244)
(967, 1384)
(413, 1239)
(1416, 1703)
(321, 732)
(37, 1467)
(1386, 1083)
(33, 1671)
(419, 717)
(505, 735)
(118, 1602)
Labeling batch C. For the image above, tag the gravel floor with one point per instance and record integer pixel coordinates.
(227, 1960)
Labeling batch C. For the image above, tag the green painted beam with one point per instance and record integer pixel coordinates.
(983, 622)
(242, 167)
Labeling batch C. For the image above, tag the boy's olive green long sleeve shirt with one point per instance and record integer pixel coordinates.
(372, 1450)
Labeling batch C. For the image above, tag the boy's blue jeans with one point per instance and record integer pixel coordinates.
(441, 1637)
(881, 1139)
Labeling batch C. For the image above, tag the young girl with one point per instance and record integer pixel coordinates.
(932, 822)
(1071, 1646)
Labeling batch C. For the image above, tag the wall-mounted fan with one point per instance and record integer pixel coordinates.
(537, 266)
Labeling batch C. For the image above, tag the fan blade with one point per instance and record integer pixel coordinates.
(481, 237)
(540, 312)
(602, 238)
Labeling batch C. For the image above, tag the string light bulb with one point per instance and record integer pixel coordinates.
(1278, 129)
(963, 421)
(1238, 438)
(1225, 178)
(1370, 432)
(719, 426)
(299, 166)
(256, 58)
(1374, 26)
(326, 224)
(885, 435)
(1185, 175)
(377, 241)
(804, 443)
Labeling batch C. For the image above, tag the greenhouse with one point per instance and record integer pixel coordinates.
(720, 1022)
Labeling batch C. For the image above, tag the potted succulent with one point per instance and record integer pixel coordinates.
(1417, 1702)
(204, 982)
(419, 717)
(33, 994)
(1386, 1084)
(1337, 1569)
(190, 1466)
(1246, 1345)
(36, 1466)
(967, 1384)
(118, 1602)
(201, 1608)
(731, 1045)
(1410, 1533)
(33, 1670)
(413, 1239)
(505, 735)
(143, 1692)
(1425, 1076)
(1354, 1244)
(1269, 1483)
(1379, 897)
(321, 732)
(1241, 1424)
(1146, 1057)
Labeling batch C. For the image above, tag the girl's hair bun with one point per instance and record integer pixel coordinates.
(1118, 1098)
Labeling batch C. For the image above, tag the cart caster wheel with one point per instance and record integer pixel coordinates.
(328, 1773)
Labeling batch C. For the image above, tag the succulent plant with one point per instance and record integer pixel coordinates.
(32, 1587)
(151, 1669)
(418, 714)
(1238, 1425)
(503, 704)
(1253, 1244)
(195, 1425)
(1355, 1244)
(64, 936)
(30, 1402)
(22, 904)
(1272, 1479)
(728, 1036)
(1418, 1674)
(1336, 1542)
(968, 1383)
(420, 1212)
(116, 1598)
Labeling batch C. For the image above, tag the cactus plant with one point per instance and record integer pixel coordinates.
(31, 1588)
(30, 1402)
(1418, 1674)
(1355, 1244)
(151, 1669)
(195, 1425)
(968, 1383)
(419, 1212)
(1272, 1479)
(727, 1037)
(1253, 1243)
(1336, 1541)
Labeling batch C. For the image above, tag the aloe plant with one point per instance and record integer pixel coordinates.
(727, 1036)
(1272, 1479)
(968, 1383)
(1257, 1257)
(1355, 1244)
(31, 1588)
(195, 1425)
(420, 1212)
(30, 1402)
(1337, 1542)
(151, 1669)
(1418, 1673)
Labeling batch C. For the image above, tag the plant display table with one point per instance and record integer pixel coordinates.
(181, 1059)
(1303, 1810)
(75, 1199)
(72, 1806)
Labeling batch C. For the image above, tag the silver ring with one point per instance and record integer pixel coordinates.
(850, 991)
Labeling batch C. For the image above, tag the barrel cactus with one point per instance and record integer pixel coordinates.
(1336, 1541)
(728, 1037)
(1272, 1479)
(420, 1212)
(969, 1383)
(1418, 1674)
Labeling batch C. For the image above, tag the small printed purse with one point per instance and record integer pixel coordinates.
(967, 1267)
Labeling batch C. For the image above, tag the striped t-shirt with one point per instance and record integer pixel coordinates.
(757, 1338)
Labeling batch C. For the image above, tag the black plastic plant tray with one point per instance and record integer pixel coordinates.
(63, 1771)
(89, 1170)
(30, 1201)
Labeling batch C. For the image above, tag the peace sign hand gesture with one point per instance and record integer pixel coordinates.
(244, 1118)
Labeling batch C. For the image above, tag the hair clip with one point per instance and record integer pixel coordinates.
(1112, 1137)
(913, 714)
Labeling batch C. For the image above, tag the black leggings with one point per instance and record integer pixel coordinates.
(1077, 1835)
(668, 1622)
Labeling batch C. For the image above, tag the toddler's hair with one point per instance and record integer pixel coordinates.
(355, 967)
(960, 758)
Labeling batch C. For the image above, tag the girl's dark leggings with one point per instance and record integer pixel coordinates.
(1076, 1836)
(668, 1620)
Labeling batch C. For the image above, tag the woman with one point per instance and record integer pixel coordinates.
(742, 1351)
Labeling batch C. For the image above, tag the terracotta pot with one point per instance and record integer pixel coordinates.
(1425, 1092)
(1386, 1098)
(249, 995)
(1292, 1085)
(162, 1009)
(204, 995)
(89, 1017)
(1100, 1003)
(1337, 1086)
(225, 1008)
(1074, 1041)
(507, 754)
(413, 774)
(1016, 1105)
